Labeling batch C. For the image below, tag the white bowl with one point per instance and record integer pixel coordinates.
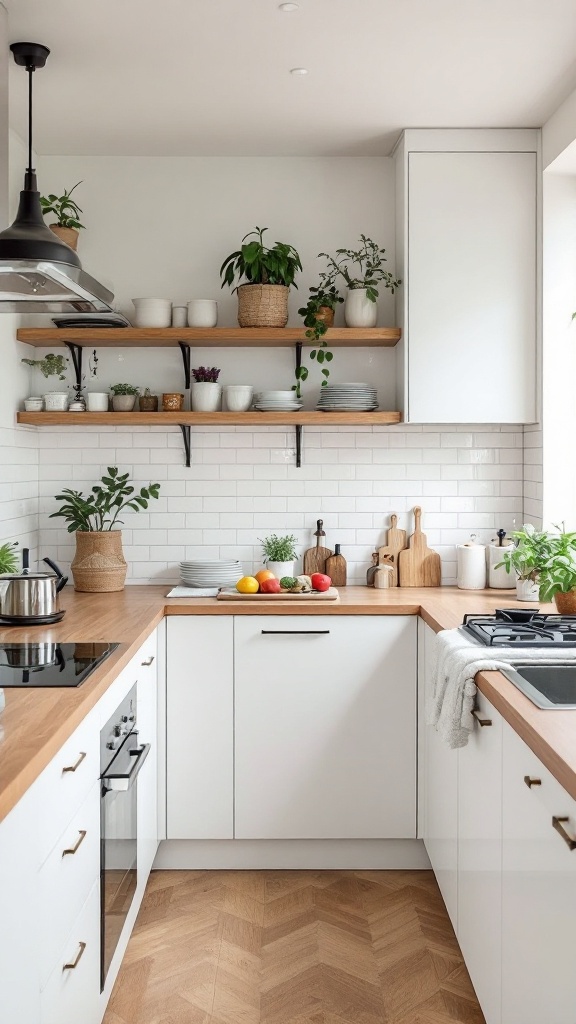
(238, 397)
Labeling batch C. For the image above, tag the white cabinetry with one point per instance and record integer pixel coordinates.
(539, 892)
(325, 727)
(147, 792)
(467, 244)
(199, 720)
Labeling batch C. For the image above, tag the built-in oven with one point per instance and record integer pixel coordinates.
(121, 758)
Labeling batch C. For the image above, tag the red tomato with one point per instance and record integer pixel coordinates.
(320, 581)
(270, 587)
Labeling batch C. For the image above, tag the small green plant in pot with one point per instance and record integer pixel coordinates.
(99, 565)
(558, 574)
(50, 366)
(318, 314)
(279, 554)
(527, 560)
(363, 271)
(262, 276)
(67, 212)
(8, 557)
(124, 397)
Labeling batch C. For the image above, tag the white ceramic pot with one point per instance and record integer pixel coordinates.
(205, 396)
(152, 312)
(526, 590)
(179, 316)
(281, 569)
(359, 311)
(33, 404)
(56, 401)
(123, 403)
(238, 397)
(97, 401)
(202, 313)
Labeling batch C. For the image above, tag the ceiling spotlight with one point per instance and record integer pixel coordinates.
(288, 7)
(298, 71)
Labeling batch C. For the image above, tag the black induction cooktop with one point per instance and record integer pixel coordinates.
(50, 664)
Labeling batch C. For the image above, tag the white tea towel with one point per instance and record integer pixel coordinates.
(193, 592)
(451, 690)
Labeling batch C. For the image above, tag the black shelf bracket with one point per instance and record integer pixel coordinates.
(185, 428)
(185, 350)
(76, 354)
(298, 445)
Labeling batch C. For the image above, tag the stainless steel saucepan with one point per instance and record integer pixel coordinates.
(31, 595)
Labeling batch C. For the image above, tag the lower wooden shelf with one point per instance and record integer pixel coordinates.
(207, 419)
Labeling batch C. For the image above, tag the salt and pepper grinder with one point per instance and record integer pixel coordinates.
(336, 567)
(373, 569)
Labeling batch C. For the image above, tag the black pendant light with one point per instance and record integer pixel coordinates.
(28, 238)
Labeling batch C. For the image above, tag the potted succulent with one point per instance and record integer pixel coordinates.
(124, 397)
(267, 274)
(99, 565)
(318, 314)
(279, 554)
(527, 559)
(50, 366)
(8, 557)
(362, 270)
(205, 392)
(148, 402)
(67, 212)
(558, 573)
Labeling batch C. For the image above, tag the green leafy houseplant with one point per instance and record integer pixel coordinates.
(50, 366)
(528, 557)
(255, 263)
(362, 267)
(8, 557)
(65, 209)
(323, 296)
(558, 573)
(124, 389)
(99, 511)
(278, 549)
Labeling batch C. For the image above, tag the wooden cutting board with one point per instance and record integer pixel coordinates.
(315, 558)
(418, 565)
(396, 542)
(327, 595)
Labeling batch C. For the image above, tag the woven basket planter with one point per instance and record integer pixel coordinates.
(263, 305)
(99, 566)
(67, 235)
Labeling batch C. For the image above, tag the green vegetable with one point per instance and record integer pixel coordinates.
(288, 582)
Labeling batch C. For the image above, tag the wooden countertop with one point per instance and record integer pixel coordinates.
(35, 723)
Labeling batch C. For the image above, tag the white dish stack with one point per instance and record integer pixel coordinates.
(349, 397)
(223, 572)
(277, 401)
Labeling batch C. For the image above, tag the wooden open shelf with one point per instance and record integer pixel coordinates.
(207, 419)
(223, 337)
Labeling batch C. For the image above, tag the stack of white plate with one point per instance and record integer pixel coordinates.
(348, 398)
(277, 401)
(224, 572)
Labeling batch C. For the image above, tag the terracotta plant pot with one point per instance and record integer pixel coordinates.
(566, 603)
(326, 314)
(67, 235)
(263, 305)
(148, 403)
(99, 566)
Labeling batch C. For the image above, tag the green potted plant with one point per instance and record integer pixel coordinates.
(148, 402)
(124, 397)
(8, 557)
(50, 366)
(527, 560)
(362, 270)
(99, 565)
(318, 314)
(279, 554)
(558, 574)
(67, 212)
(267, 273)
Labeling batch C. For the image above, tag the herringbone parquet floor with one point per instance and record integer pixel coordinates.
(293, 947)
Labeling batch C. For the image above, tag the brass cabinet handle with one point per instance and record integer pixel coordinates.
(481, 721)
(74, 963)
(148, 661)
(558, 824)
(531, 781)
(78, 844)
(73, 767)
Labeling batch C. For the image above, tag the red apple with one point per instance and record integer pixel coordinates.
(320, 581)
(270, 587)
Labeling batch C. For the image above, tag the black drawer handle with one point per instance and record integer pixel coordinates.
(295, 632)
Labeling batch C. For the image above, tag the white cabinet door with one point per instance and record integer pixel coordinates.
(72, 991)
(471, 287)
(539, 893)
(439, 793)
(480, 857)
(325, 727)
(199, 723)
(147, 792)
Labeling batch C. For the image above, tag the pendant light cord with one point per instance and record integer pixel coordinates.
(30, 72)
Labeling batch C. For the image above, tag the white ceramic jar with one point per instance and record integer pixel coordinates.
(281, 569)
(202, 313)
(56, 401)
(359, 311)
(179, 316)
(152, 312)
(205, 396)
(238, 397)
(97, 401)
(33, 404)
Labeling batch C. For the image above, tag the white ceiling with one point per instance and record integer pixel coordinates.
(211, 77)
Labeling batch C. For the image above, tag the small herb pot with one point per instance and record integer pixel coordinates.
(281, 569)
(148, 403)
(566, 603)
(123, 403)
(326, 315)
(527, 590)
(172, 401)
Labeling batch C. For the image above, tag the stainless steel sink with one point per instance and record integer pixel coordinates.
(551, 687)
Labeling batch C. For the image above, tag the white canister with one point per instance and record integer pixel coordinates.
(471, 566)
(33, 404)
(359, 311)
(56, 401)
(527, 590)
(498, 579)
(202, 313)
(179, 316)
(238, 397)
(97, 401)
(205, 396)
(152, 312)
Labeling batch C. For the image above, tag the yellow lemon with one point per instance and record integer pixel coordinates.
(248, 585)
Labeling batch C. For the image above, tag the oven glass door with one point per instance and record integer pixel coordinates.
(119, 842)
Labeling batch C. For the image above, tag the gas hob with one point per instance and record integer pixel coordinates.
(521, 627)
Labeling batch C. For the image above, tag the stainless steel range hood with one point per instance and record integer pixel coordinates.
(38, 272)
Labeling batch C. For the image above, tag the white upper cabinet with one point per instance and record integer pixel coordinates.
(467, 254)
